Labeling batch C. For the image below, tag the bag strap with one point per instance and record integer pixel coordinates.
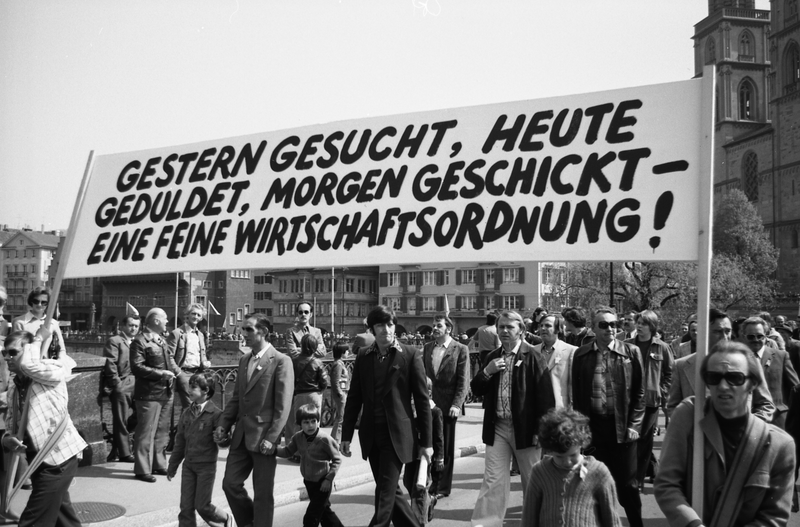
(729, 502)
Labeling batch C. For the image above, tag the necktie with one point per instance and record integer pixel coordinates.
(305, 330)
(251, 367)
(195, 411)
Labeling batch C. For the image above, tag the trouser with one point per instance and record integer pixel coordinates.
(152, 436)
(443, 480)
(645, 460)
(338, 414)
(49, 502)
(620, 458)
(241, 462)
(197, 485)
(490, 508)
(319, 506)
(121, 397)
(390, 504)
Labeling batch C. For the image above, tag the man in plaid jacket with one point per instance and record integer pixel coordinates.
(41, 384)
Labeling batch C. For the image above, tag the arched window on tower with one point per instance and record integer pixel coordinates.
(746, 46)
(790, 12)
(747, 101)
(750, 175)
(791, 66)
(711, 51)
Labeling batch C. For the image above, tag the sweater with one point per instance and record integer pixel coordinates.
(318, 459)
(583, 497)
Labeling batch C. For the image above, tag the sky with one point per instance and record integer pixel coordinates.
(120, 76)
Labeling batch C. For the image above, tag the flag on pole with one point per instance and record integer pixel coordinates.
(446, 306)
(130, 311)
(212, 308)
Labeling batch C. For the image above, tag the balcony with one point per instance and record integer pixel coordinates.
(16, 274)
(731, 13)
(16, 290)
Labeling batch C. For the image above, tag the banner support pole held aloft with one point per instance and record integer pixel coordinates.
(705, 225)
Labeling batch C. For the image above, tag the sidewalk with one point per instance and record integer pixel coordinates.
(156, 504)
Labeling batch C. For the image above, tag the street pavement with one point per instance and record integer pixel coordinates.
(156, 504)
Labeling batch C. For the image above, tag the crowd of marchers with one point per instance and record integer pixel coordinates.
(571, 402)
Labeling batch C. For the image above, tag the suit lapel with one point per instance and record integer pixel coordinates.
(261, 367)
(392, 374)
(766, 357)
(448, 355)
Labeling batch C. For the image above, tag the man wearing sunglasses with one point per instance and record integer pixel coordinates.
(302, 327)
(749, 465)
(607, 386)
(720, 329)
(778, 370)
(38, 300)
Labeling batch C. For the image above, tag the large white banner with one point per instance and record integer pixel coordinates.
(601, 176)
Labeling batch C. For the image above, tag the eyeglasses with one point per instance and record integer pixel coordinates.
(753, 338)
(249, 329)
(733, 378)
(11, 352)
(605, 325)
(42, 303)
(302, 312)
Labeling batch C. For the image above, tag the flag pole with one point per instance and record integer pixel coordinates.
(706, 195)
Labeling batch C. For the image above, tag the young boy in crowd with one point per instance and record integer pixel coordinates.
(319, 461)
(340, 384)
(422, 502)
(194, 444)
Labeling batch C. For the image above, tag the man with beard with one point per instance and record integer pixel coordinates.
(294, 335)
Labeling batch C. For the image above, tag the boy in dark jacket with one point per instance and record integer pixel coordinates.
(195, 445)
(319, 461)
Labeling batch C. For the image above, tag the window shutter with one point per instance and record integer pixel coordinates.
(481, 302)
(384, 277)
(440, 274)
(498, 302)
(479, 276)
(498, 278)
(403, 304)
(521, 302)
(458, 302)
(439, 303)
(521, 275)
(418, 309)
(458, 276)
(419, 279)
(403, 279)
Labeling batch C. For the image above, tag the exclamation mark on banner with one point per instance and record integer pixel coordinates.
(663, 208)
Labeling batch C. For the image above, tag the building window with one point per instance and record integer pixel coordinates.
(429, 278)
(511, 302)
(231, 319)
(746, 44)
(206, 284)
(511, 275)
(393, 279)
(429, 303)
(792, 65)
(411, 304)
(747, 101)
(790, 12)
(247, 308)
(373, 287)
(116, 301)
(319, 285)
(412, 279)
(221, 284)
(362, 286)
(446, 277)
(469, 302)
(269, 311)
(468, 276)
(200, 299)
(392, 302)
(711, 51)
(349, 285)
(750, 175)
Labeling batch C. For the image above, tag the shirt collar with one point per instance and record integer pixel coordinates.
(260, 353)
(515, 350)
(612, 346)
(393, 346)
(446, 344)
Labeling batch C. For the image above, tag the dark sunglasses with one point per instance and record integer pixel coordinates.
(753, 338)
(605, 325)
(299, 312)
(249, 329)
(733, 378)
(11, 352)
(39, 302)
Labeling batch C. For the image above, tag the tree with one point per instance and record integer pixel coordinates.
(742, 266)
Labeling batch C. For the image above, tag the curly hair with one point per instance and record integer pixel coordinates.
(561, 429)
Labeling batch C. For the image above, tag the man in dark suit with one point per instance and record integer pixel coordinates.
(447, 365)
(155, 371)
(119, 381)
(778, 370)
(608, 387)
(517, 391)
(259, 407)
(386, 377)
